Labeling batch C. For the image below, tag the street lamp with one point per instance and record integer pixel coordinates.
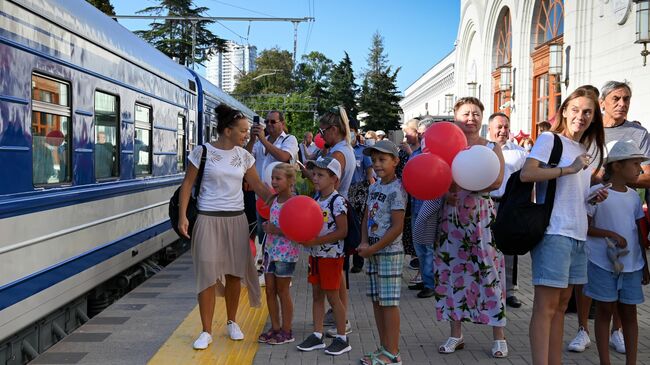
(449, 101)
(643, 26)
(471, 88)
(504, 80)
(555, 59)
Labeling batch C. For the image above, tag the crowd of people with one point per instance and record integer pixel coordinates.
(593, 243)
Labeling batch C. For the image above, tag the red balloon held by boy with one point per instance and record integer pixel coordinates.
(301, 219)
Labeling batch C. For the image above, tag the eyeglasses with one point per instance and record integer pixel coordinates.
(322, 131)
(272, 121)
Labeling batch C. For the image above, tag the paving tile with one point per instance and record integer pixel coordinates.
(59, 358)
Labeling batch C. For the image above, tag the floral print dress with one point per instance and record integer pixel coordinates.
(278, 247)
(469, 271)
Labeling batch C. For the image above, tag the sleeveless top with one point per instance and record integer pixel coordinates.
(350, 165)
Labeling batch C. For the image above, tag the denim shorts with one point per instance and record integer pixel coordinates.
(606, 286)
(559, 261)
(280, 269)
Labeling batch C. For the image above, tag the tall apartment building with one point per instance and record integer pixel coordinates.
(224, 68)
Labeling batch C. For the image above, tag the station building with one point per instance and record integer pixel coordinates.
(524, 57)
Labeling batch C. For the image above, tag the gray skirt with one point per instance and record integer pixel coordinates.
(220, 247)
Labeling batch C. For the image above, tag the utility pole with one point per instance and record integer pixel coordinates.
(196, 19)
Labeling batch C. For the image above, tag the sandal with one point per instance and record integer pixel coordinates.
(452, 344)
(368, 356)
(281, 337)
(266, 337)
(376, 360)
(500, 349)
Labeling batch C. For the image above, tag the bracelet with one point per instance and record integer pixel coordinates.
(560, 172)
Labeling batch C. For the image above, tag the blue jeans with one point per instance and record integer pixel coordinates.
(425, 256)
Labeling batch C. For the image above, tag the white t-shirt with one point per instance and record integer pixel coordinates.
(335, 249)
(221, 187)
(514, 158)
(618, 213)
(285, 142)
(569, 217)
(311, 149)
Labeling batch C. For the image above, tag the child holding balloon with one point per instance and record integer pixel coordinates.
(326, 257)
(280, 257)
(381, 244)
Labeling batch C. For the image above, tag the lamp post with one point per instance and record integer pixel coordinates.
(643, 26)
(449, 101)
(555, 59)
(471, 88)
(504, 79)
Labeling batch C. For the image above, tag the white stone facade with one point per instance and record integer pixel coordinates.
(224, 68)
(598, 34)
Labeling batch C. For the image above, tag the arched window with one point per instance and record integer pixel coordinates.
(548, 21)
(503, 39)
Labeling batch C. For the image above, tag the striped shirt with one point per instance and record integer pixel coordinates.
(427, 223)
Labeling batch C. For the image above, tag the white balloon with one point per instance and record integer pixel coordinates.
(476, 168)
(268, 171)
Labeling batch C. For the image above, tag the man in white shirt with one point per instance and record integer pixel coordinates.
(514, 156)
(308, 148)
(277, 147)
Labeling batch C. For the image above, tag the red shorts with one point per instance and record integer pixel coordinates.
(325, 272)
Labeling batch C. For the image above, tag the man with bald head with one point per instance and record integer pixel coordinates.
(514, 157)
(308, 148)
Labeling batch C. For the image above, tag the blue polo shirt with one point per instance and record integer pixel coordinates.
(362, 164)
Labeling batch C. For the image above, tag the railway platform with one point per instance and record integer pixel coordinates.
(157, 323)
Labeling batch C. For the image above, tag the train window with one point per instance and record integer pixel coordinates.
(180, 144)
(51, 125)
(106, 136)
(142, 144)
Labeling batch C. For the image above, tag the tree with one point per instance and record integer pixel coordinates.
(104, 6)
(313, 77)
(342, 88)
(273, 74)
(174, 37)
(379, 95)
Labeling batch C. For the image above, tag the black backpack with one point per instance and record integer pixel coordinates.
(192, 206)
(353, 238)
(520, 224)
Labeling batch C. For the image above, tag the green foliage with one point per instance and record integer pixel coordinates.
(342, 88)
(104, 6)
(379, 95)
(174, 37)
(273, 74)
(312, 76)
(297, 107)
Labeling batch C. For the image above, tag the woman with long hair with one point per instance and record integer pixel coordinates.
(559, 260)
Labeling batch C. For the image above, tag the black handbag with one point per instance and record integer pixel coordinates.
(192, 206)
(520, 224)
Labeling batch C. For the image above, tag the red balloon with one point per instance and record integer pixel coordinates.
(445, 139)
(251, 243)
(301, 219)
(426, 176)
(263, 209)
(319, 141)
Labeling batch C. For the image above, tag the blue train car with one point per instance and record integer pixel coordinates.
(95, 127)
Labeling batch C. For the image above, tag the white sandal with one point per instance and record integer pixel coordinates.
(452, 344)
(500, 349)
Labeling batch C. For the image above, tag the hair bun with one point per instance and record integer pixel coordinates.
(223, 109)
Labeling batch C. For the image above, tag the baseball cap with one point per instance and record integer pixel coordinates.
(380, 133)
(327, 163)
(624, 150)
(385, 146)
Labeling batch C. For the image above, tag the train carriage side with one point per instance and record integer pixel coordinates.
(95, 126)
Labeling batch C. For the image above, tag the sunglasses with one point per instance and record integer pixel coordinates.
(272, 121)
(322, 131)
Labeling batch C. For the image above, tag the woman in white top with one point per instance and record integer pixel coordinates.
(220, 235)
(559, 260)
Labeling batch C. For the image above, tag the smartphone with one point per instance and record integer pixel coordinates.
(256, 119)
(300, 164)
(591, 199)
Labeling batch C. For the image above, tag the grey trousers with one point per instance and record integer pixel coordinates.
(511, 275)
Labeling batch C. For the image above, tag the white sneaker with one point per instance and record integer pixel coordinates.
(234, 331)
(332, 331)
(617, 341)
(262, 280)
(203, 341)
(580, 342)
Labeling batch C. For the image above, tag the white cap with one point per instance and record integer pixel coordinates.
(380, 133)
(623, 150)
(328, 163)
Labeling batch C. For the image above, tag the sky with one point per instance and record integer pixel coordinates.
(417, 33)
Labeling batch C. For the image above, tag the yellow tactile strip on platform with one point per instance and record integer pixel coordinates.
(178, 348)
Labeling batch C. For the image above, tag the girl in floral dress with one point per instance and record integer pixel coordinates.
(469, 271)
(280, 257)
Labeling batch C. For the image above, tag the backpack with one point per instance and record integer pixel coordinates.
(353, 238)
(192, 206)
(520, 224)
